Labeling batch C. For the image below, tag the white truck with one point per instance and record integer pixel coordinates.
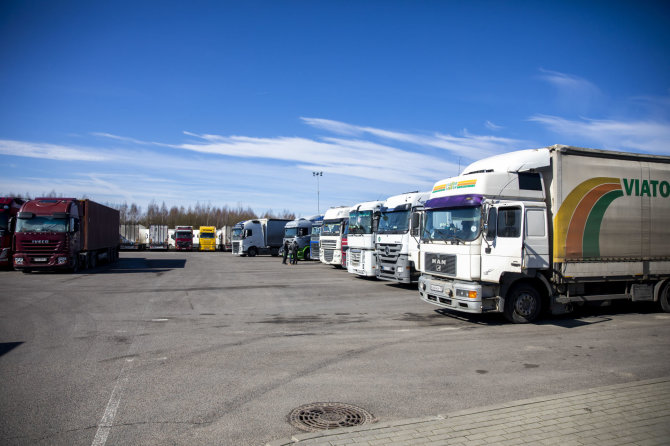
(158, 237)
(258, 236)
(397, 247)
(134, 236)
(330, 251)
(224, 238)
(549, 228)
(363, 221)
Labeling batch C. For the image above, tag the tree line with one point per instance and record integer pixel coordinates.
(197, 215)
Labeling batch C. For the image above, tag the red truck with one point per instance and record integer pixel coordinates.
(183, 238)
(65, 234)
(9, 207)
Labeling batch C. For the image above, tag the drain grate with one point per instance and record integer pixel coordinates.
(322, 416)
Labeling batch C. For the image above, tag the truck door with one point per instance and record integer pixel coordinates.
(502, 251)
(536, 241)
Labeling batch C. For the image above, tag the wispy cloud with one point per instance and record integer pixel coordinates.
(641, 136)
(468, 145)
(491, 126)
(49, 151)
(566, 81)
(574, 93)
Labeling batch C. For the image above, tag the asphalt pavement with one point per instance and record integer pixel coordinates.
(208, 348)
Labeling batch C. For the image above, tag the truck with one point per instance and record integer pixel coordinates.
(134, 236)
(9, 207)
(548, 229)
(397, 245)
(207, 238)
(65, 234)
(183, 238)
(224, 242)
(171, 241)
(259, 236)
(314, 243)
(363, 221)
(330, 252)
(344, 242)
(300, 230)
(158, 237)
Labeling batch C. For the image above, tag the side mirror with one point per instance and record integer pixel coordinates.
(489, 227)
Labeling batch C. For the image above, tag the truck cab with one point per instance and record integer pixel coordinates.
(9, 207)
(300, 231)
(258, 236)
(330, 252)
(314, 242)
(363, 222)
(397, 245)
(183, 238)
(207, 238)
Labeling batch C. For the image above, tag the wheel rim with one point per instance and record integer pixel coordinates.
(525, 304)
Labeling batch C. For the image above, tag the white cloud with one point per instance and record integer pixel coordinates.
(568, 82)
(491, 126)
(642, 136)
(49, 151)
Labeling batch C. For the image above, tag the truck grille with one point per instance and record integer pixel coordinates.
(39, 248)
(329, 244)
(236, 247)
(388, 252)
(328, 255)
(354, 257)
(441, 263)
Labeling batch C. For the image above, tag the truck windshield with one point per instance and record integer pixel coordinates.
(206, 235)
(316, 230)
(290, 232)
(393, 222)
(41, 224)
(460, 224)
(360, 222)
(331, 227)
(237, 233)
(183, 234)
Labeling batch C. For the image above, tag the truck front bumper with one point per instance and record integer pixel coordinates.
(41, 261)
(400, 271)
(455, 295)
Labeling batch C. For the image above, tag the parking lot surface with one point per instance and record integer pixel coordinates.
(208, 348)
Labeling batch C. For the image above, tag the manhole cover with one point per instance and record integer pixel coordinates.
(322, 416)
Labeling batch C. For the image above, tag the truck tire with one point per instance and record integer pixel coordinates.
(307, 255)
(274, 252)
(252, 252)
(523, 304)
(664, 298)
(75, 266)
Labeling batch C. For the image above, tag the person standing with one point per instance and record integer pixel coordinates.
(294, 252)
(285, 251)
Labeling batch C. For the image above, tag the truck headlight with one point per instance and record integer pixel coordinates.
(62, 260)
(466, 293)
(18, 260)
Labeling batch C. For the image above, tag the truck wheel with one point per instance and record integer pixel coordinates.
(26, 271)
(664, 298)
(75, 266)
(274, 252)
(252, 252)
(306, 255)
(523, 304)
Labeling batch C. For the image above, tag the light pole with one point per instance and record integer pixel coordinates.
(318, 205)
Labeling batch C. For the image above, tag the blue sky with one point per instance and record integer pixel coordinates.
(236, 103)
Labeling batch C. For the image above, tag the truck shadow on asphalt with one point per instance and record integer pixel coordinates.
(580, 317)
(142, 265)
(6, 347)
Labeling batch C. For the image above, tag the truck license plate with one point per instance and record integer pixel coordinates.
(39, 259)
(437, 288)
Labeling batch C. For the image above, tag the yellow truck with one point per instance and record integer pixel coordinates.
(207, 238)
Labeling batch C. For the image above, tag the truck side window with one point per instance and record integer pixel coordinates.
(491, 224)
(535, 226)
(509, 222)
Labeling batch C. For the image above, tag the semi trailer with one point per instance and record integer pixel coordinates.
(65, 234)
(548, 229)
(259, 236)
(397, 245)
(330, 252)
(9, 207)
(363, 221)
(134, 237)
(158, 237)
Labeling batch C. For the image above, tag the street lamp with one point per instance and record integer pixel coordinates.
(318, 205)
